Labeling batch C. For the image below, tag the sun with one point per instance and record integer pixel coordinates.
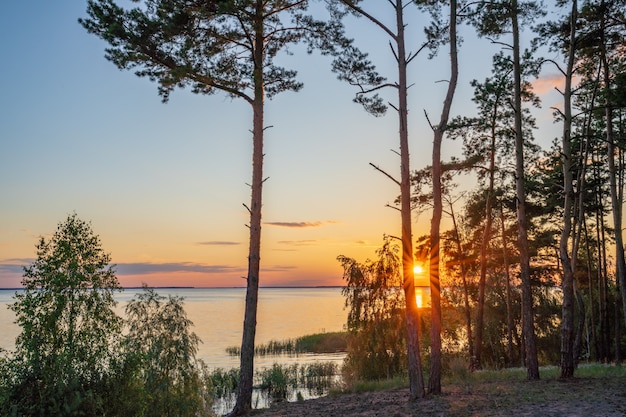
(417, 269)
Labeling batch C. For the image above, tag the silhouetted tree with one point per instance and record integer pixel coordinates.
(434, 381)
(495, 18)
(354, 67)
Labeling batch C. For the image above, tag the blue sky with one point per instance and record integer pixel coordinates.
(164, 184)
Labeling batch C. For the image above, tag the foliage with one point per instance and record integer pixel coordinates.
(210, 47)
(71, 357)
(376, 319)
(315, 343)
(65, 352)
(280, 382)
(159, 336)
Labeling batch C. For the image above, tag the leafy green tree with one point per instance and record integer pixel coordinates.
(216, 46)
(375, 303)
(64, 353)
(160, 337)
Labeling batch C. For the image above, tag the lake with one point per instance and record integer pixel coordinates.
(217, 314)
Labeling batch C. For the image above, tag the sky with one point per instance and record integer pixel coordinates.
(164, 185)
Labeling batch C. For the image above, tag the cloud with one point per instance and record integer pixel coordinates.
(218, 243)
(546, 83)
(135, 268)
(299, 225)
(297, 242)
(139, 268)
(15, 265)
(278, 268)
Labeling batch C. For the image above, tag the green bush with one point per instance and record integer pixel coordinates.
(71, 358)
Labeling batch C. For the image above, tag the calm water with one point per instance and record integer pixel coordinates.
(217, 314)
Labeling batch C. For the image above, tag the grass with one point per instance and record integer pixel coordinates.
(316, 343)
(596, 390)
(495, 381)
(376, 385)
(278, 383)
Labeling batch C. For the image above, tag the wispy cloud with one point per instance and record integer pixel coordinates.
(142, 268)
(549, 82)
(297, 242)
(135, 268)
(218, 243)
(278, 268)
(299, 225)
(11, 268)
(15, 265)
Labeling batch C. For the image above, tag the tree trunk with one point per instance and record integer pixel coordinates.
(567, 310)
(616, 202)
(528, 324)
(468, 312)
(434, 382)
(246, 371)
(482, 282)
(582, 317)
(509, 308)
(416, 378)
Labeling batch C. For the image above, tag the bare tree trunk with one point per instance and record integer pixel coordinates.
(592, 318)
(246, 371)
(582, 317)
(466, 303)
(618, 324)
(605, 326)
(416, 378)
(532, 363)
(567, 318)
(509, 308)
(434, 382)
(482, 282)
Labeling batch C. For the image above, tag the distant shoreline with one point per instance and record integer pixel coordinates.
(207, 288)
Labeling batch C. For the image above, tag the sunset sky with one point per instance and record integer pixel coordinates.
(164, 184)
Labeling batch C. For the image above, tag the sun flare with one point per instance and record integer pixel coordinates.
(417, 269)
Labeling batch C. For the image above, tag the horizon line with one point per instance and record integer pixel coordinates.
(171, 287)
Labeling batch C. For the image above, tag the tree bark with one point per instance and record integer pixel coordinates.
(246, 371)
(434, 381)
(509, 307)
(616, 202)
(466, 303)
(567, 285)
(484, 244)
(416, 378)
(528, 324)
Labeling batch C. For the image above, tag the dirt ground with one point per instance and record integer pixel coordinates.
(580, 397)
